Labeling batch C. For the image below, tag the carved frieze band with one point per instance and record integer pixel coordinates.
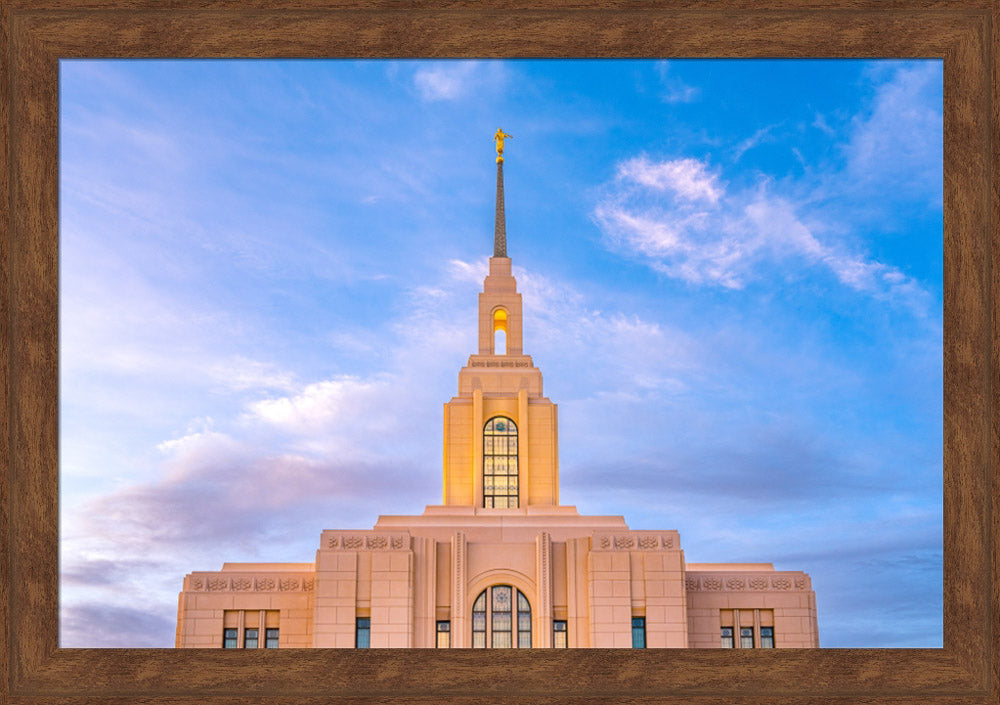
(250, 583)
(634, 542)
(754, 582)
(368, 542)
(501, 363)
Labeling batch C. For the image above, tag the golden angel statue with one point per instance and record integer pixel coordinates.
(499, 138)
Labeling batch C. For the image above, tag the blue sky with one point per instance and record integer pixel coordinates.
(732, 284)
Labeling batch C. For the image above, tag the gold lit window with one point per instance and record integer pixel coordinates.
(500, 463)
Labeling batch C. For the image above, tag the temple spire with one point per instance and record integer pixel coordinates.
(500, 226)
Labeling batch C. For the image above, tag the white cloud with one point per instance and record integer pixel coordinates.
(469, 271)
(688, 179)
(899, 142)
(342, 408)
(685, 225)
(452, 80)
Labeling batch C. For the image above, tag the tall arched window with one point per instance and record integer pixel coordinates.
(500, 327)
(500, 463)
(496, 613)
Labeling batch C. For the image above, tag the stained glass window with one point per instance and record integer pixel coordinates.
(767, 637)
(443, 634)
(479, 622)
(500, 463)
(746, 637)
(250, 638)
(727, 638)
(500, 619)
(229, 636)
(523, 622)
(363, 631)
(638, 632)
(560, 634)
(270, 638)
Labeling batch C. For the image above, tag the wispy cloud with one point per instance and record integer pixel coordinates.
(453, 80)
(99, 625)
(702, 234)
(752, 141)
(674, 89)
(687, 179)
(898, 142)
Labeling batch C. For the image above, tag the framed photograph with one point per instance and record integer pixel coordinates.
(39, 39)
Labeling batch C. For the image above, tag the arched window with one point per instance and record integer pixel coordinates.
(500, 332)
(500, 463)
(494, 613)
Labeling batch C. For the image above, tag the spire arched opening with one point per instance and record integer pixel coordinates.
(500, 332)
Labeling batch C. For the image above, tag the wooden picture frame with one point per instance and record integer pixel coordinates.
(37, 33)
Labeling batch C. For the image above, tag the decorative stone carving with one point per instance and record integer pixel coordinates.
(242, 584)
(197, 584)
(307, 584)
(624, 542)
(265, 584)
(648, 542)
(218, 584)
(752, 581)
(668, 541)
(605, 542)
(377, 542)
(288, 584)
(712, 583)
(397, 542)
(332, 542)
(353, 542)
(500, 363)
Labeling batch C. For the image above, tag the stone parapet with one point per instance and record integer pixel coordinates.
(362, 540)
(636, 541)
(276, 581)
(763, 581)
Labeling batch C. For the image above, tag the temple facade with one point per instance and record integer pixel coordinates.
(500, 563)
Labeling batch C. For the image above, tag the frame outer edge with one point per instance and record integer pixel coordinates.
(33, 430)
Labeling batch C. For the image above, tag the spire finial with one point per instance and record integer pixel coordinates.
(498, 138)
(500, 227)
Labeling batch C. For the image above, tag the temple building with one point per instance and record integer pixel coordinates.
(500, 563)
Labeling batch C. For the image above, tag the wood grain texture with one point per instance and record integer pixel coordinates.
(35, 35)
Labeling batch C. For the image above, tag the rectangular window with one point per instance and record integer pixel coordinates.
(638, 632)
(443, 634)
(229, 636)
(746, 637)
(270, 638)
(767, 637)
(250, 638)
(727, 638)
(560, 634)
(362, 639)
